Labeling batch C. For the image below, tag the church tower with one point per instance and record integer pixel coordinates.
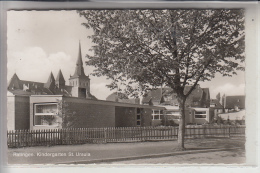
(79, 81)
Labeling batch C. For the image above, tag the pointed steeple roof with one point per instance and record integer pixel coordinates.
(14, 82)
(79, 70)
(15, 77)
(50, 82)
(79, 60)
(60, 77)
(60, 81)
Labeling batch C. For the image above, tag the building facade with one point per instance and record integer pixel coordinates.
(53, 104)
(197, 111)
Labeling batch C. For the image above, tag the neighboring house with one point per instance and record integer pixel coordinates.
(234, 115)
(216, 106)
(234, 103)
(123, 98)
(199, 98)
(34, 105)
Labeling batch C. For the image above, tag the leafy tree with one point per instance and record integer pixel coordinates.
(68, 117)
(144, 49)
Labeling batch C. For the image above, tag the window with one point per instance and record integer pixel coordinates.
(157, 114)
(46, 114)
(173, 114)
(200, 114)
(138, 117)
(212, 105)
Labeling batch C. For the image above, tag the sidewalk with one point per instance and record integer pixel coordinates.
(96, 153)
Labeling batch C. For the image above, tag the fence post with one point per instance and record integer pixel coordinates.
(105, 134)
(229, 131)
(204, 131)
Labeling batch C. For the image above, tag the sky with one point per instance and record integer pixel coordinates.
(41, 42)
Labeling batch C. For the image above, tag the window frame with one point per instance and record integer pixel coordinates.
(35, 114)
(173, 114)
(202, 114)
(160, 114)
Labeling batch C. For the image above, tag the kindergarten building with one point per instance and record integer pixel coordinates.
(35, 105)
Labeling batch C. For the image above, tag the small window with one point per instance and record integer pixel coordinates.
(200, 114)
(157, 114)
(138, 116)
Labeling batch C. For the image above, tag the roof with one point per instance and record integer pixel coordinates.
(121, 97)
(115, 96)
(235, 101)
(216, 103)
(50, 82)
(22, 87)
(197, 93)
(156, 95)
(60, 78)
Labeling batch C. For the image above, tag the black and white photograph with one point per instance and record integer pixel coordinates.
(130, 86)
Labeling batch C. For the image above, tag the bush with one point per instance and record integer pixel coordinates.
(166, 122)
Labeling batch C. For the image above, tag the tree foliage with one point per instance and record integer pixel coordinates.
(171, 47)
(175, 48)
(68, 117)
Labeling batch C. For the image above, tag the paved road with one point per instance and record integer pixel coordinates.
(235, 156)
(89, 152)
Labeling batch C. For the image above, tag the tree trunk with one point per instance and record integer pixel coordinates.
(181, 131)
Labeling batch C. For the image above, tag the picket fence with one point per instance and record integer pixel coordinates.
(24, 138)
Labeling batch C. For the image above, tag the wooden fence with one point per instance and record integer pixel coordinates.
(24, 138)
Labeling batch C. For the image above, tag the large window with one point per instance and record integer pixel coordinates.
(46, 114)
(157, 114)
(200, 114)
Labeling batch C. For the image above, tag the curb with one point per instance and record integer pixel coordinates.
(148, 156)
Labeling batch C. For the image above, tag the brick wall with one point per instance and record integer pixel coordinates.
(11, 113)
(91, 115)
(125, 117)
(22, 112)
(18, 112)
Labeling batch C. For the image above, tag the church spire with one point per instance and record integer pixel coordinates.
(79, 70)
(79, 61)
(50, 82)
(60, 81)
